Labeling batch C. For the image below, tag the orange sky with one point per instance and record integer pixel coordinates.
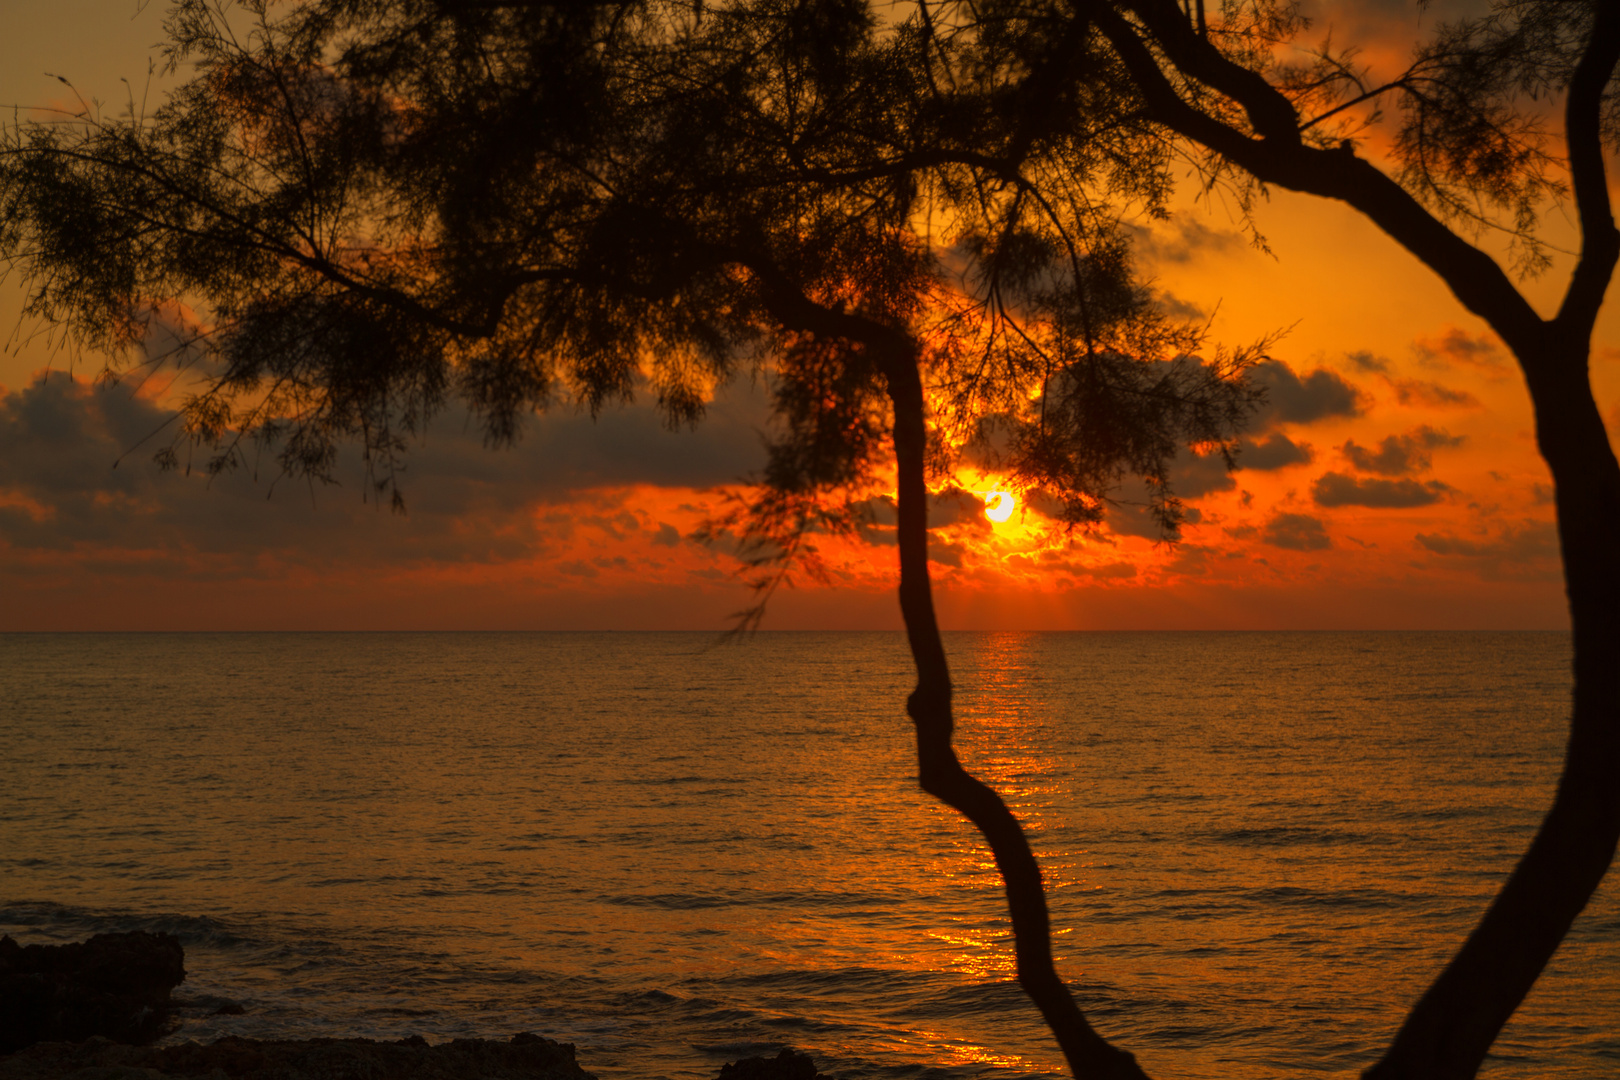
(1414, 499)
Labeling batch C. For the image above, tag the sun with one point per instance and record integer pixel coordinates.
(998, 506)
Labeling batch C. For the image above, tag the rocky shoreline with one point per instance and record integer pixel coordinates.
(89, 1010)
(525, 1057)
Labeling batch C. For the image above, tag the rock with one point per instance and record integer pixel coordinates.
(788, 1065)
(525, 1057)
(114, 985)
(195, 1007)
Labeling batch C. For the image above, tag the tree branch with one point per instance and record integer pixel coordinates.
(1600, 243)
(1473, 276)
(1451, 1028)
(1271, 113)
(941, 774)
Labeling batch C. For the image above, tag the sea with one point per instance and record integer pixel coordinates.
(678, 850)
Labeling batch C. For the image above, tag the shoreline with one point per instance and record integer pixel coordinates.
(526, 1056)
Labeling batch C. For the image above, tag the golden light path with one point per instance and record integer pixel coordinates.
(998, 506)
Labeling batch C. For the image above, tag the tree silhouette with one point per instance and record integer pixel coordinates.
(1471, 155)
(359, 211)
(351, 212)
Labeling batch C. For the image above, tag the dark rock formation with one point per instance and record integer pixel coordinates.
(526, 1057)
(114, 985)
(788, 1065)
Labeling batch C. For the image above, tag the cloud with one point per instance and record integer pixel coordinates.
(1135, 518)
(1177, 308)
(1339, 489)
(1181, 240)
(1400, 455)
(1107, 571)
(1526, 551)
(943, 553)
(1416, 393)
(882, 512)
(60, 490)
(170, 333)
(1277, 452)
(1456, 346)
(1534, 540)
(1296, 532)
(1044, 503)
(954, 506)
(1319, 395)
(1193, 476)
(1366, 361)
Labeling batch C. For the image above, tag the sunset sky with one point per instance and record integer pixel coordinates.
(1392, 483)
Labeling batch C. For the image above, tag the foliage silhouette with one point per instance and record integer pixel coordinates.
(1472, 155)
(350, 212)
(358, 210)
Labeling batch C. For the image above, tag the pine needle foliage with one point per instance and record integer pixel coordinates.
(365, 210)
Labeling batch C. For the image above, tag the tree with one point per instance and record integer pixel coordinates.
(1471, 155)
(354, 211)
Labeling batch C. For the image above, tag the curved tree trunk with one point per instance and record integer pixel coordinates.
(1089, 1055)
(943, 776)
(1451, 1029)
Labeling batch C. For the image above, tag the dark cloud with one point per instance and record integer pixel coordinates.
(1420, 394)
(1277, 452)
(566, 450)
(1177, 308)
(1136, 519)
(1526, 551)
(1116, 571)
(1456, 346)
(170, 334)
(1401, 455)
(1193, 476)
(1191, 560)
(1294, 400)
(1133, 519)
(881, 511)
(1296, 532)
(945, 554)
(1044, 503)
(1340, 489)
(955, 506)
(1534, 540)
(1366, 361)
(60, 438)
(1182, 239)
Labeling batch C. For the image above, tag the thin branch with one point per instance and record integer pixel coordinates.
(1583, 128)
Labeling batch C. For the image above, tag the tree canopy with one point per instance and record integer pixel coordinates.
(362, 209)
(366, 209)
